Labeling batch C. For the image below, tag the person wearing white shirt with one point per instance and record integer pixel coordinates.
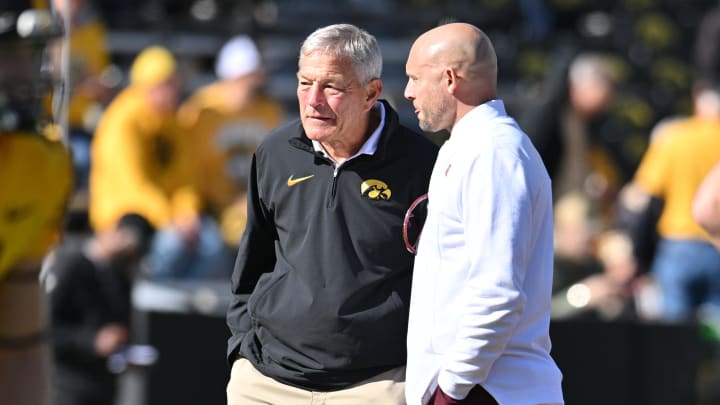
(480, 302)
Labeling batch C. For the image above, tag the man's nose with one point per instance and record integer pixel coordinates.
(409, 92)
(315, 95)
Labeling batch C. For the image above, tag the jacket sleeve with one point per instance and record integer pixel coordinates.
(494, 203)
(256, 255)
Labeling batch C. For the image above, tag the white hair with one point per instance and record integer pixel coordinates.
(589, 67)
(347, 41)
(707, 103)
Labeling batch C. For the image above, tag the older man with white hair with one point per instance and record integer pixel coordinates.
(322, 279)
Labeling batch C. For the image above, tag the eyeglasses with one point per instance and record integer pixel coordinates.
(413, 223)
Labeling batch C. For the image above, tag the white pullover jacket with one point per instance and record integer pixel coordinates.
(480, 303)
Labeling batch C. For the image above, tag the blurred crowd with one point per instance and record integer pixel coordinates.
(621, 98)
(152, 146)
(604, 89)
(160, 172)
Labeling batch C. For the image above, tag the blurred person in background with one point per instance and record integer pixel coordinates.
(596, 272)
(574, 260)
(226, 120)
(322, 279)
(90, 87)
(706, 54)
(143, 164)
(615, 252)
(565, 126)
(686, 266)
(608, 293)
(88, 286)
(35, 182)
(706, 204)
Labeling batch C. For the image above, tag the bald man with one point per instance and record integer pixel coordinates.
(480, 304)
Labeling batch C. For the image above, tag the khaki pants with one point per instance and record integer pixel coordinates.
(248, 386)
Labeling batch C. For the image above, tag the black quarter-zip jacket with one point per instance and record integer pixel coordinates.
(321, 285)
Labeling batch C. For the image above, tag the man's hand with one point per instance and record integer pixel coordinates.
(110, 338)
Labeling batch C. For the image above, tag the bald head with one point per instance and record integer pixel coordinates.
(457, 62)
(462, 47)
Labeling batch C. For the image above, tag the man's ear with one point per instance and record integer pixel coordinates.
(373, 91)
(450, 79)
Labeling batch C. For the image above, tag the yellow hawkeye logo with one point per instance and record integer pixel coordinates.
(292, 182)
(375, 190)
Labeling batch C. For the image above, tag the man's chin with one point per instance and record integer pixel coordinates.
(427, 127)
(319, 136)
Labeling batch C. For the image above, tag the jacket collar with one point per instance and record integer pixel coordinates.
(486, 112)
(302, 142)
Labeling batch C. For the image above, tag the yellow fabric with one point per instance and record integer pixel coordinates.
(673, 166)
(89, 56)
(152, 66)
(35, 180)
(602, 164)
(205, 118)
(141, 164)
(88, 47)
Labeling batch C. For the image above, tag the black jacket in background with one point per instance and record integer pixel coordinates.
(82, 299)
(322, 279)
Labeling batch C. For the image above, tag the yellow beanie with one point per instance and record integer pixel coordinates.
(152, 66)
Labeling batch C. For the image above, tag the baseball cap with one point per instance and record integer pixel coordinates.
(238, 57)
